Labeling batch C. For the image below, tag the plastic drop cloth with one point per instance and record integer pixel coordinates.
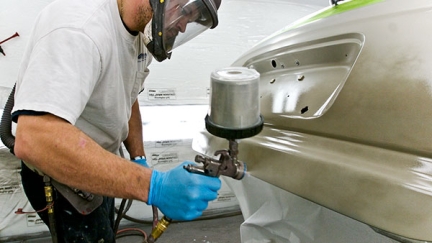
(12, 197)
(273, 215)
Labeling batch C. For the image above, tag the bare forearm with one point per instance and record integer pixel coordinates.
(69, 156)
(134, 141)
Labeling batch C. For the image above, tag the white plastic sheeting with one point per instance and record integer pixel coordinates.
(12, 197)
(273, 215)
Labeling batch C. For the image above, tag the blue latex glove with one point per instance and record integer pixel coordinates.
(181, 195)
(141, 160)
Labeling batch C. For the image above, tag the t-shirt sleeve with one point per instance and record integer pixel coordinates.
(63, 69)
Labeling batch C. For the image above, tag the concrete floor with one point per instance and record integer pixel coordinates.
(217, 230)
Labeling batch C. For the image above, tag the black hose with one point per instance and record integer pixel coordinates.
(6, 123)
(52, 228)
(119, 215)
(205, 216)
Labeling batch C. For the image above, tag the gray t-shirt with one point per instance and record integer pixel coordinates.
(82, 65)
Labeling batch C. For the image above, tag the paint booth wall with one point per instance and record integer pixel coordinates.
(242, 24)
(184, 80)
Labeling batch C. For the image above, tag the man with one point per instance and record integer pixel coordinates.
(76, 103)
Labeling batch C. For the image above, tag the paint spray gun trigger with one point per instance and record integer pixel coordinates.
(226, 165)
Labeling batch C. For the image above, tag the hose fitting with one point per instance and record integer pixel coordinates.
(50, 206)
(158, 230)
(49, 198)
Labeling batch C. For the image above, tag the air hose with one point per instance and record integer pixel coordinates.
(6, 123)
(8, 140)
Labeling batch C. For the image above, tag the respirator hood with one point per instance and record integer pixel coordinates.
(175, 22)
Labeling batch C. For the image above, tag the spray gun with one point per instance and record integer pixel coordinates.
(234, 114)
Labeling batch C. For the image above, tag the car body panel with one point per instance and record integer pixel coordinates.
(347, 102)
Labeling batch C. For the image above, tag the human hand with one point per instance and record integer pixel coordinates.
(181, 195)
(141, 160)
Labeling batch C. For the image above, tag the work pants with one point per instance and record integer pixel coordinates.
(71, 226)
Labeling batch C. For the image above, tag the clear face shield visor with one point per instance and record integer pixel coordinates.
(184, 20)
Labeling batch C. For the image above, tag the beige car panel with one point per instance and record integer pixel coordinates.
(347, 102)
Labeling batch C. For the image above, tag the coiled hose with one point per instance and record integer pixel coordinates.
(6, 135)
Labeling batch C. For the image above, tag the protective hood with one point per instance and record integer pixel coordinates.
(177, 21)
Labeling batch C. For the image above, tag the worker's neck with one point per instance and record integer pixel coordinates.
(123, 15)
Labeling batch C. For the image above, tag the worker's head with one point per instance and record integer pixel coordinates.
(175, 22)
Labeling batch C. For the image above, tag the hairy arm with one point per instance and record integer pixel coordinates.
(69, 156)
(134, 141)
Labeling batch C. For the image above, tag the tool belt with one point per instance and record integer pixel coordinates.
(83, 202)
